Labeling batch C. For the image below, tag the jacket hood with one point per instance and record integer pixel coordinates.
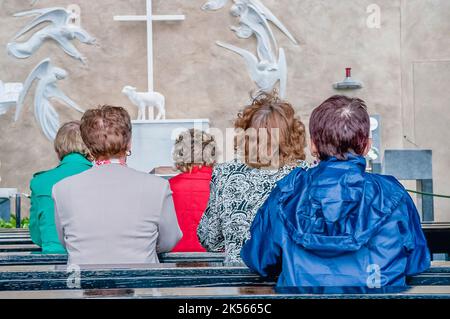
(337, 207)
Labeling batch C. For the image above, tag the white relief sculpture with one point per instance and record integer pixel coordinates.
(9, 95)
(265, 74)
(47, 76)
(146, 101)
(213, 5)
(63, 28)
(255, 19)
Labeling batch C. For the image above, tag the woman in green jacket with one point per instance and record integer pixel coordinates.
(73, 155)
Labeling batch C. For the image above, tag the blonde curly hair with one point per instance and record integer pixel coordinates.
(194, 148)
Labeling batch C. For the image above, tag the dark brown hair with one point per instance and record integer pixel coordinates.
(268, 112)
(339, 126)
(106, 131)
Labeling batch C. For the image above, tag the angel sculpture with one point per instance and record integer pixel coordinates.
(255, 19)
(61, 29)
(254, 16)
(48, 77)
(266, 75)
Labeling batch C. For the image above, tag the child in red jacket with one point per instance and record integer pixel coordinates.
(194, 155)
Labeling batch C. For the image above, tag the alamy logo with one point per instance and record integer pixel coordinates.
(374, 18)
(375, 277)
(74, 279)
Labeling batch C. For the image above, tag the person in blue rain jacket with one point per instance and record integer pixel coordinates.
(335, 224)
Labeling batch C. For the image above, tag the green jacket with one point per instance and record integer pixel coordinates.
(42, 218)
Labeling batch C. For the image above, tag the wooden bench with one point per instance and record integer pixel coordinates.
(18, 240)
(15, 241)
(40, 260)
(236, 293)
(19, 248)
(438, 237)
(26, 278)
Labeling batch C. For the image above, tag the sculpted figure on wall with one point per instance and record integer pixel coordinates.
(145, 101)
(47, 75)
(269, 66)
(62, 28)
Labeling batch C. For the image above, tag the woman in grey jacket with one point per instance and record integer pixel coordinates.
(113, 214)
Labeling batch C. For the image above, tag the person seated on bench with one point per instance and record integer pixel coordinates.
(336, 225)
(73, 156)
(194, 155)
(240, 187)
(113, 214)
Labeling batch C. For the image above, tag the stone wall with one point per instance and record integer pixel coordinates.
(404, 65)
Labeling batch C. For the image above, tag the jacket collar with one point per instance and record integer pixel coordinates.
(75, 158)
(353, 161)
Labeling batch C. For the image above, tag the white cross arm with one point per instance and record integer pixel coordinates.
(154, 18)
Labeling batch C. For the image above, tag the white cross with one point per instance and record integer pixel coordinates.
(149, 18)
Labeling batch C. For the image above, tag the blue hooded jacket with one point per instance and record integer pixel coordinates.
(336, 225)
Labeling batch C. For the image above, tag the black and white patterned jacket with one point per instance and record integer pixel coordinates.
(237, 193)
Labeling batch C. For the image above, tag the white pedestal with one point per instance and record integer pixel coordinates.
(153, 141)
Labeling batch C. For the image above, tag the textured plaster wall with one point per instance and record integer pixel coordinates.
(425, 93)
(201, 80)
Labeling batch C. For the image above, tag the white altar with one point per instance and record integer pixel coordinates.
(153, 141)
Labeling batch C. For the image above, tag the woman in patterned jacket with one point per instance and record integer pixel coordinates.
(270, 143)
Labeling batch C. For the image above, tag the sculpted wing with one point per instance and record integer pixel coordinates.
(272, 18)
(57, 16)
(249, 57)
(55, 92)
(38, 72)
(282, 69)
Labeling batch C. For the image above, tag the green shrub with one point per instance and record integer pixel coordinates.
(25, 223)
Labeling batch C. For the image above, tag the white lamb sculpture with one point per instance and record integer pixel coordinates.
(146, 100)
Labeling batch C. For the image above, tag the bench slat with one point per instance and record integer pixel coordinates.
(15, 241)
(19, 248)
(157, 276)
(37, 259)
(247, 292)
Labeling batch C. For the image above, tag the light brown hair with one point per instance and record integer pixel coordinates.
(194, 148)
(106, 131)
(69, 141)
(268, 114)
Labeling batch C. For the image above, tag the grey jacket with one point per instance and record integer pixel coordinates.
(113, 215)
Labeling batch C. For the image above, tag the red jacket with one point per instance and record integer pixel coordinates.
(191, 195)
